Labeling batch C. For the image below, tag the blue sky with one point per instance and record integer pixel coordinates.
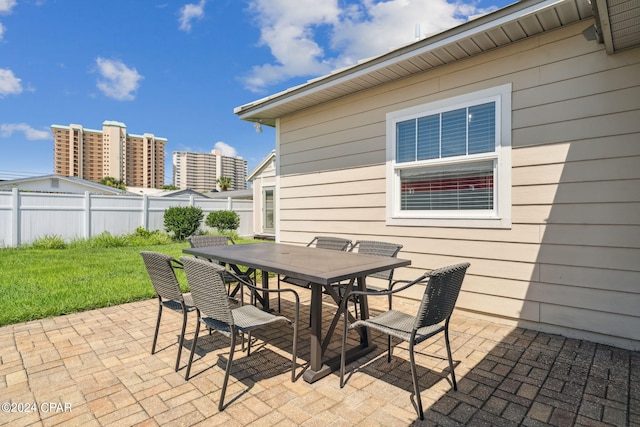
(177, 69)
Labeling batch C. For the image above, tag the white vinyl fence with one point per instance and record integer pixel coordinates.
(26, 217)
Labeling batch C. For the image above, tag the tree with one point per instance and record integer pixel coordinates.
(169, 187)
(112, 182)
(224, 182)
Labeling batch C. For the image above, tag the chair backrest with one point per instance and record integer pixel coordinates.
(332, 243)
(163, 277)
(440, 294)
(206, 240)
(207, 289)
(372, 247)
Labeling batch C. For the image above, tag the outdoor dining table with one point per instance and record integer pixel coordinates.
(321, 268)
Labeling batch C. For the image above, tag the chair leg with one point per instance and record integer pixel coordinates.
(155, 336)
(228, 370)
(355, 305)
(248, 343)
(416, 386)
(184, 328)
(343, 351)
(446, 339)
(279, 307)
(193, 348)
(294, 350)
(388, 348)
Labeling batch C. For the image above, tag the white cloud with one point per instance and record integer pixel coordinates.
(296, 30)
(118, 81)
(225, 149)
(288, 28)
(9, 84)
(375, 28)
(6, 6)
(5, 9)
(8, 129)
(190, 12)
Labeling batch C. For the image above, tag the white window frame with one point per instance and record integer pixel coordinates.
(500, 216)
(263, 189)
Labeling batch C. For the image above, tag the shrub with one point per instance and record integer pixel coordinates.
(49, 242)
(107, 240)
(144, 237)
(223, 220)
(143, 232)
(182, 221)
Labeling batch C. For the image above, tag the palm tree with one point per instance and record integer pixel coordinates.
(224, 182)
(112, 182)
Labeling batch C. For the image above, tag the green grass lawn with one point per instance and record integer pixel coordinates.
(39, 283)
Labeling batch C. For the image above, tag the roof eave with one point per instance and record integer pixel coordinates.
(261, 110)
(261, 166)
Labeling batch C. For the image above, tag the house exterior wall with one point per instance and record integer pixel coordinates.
(569, 262)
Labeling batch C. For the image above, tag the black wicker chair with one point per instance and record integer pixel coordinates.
(214, 311)
(372, 247)
(163, 278)
(207, 240)
(319, 242)
(440, 295)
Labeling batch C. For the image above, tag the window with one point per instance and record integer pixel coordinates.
(449, 162)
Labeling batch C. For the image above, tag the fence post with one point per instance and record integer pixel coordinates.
(145, 211)
(229, 204)
(15, 217)
(87, 215)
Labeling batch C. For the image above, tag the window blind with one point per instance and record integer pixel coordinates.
(459, 132)
(466, 186)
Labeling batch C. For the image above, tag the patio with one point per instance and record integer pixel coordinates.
(95, 368)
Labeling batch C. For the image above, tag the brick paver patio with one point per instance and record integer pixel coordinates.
(95, 368)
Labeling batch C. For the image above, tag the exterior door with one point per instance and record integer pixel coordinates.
(268, 224)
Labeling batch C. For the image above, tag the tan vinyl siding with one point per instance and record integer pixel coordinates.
(571, 260)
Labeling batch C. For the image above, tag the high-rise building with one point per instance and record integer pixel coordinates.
(137, 160)
(200, 171)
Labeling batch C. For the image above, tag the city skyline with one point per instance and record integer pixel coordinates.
(202, 171)
(178, 68)
(111, 152)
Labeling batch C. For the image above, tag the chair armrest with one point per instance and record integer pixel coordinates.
(241, 279)
(243, 282)
(391, 291)
(293, 281)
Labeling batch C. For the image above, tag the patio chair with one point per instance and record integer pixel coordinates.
(214, 311)
(206, 240)
(160, 268)
(440, 295)
(320, 242)
(372, 247)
